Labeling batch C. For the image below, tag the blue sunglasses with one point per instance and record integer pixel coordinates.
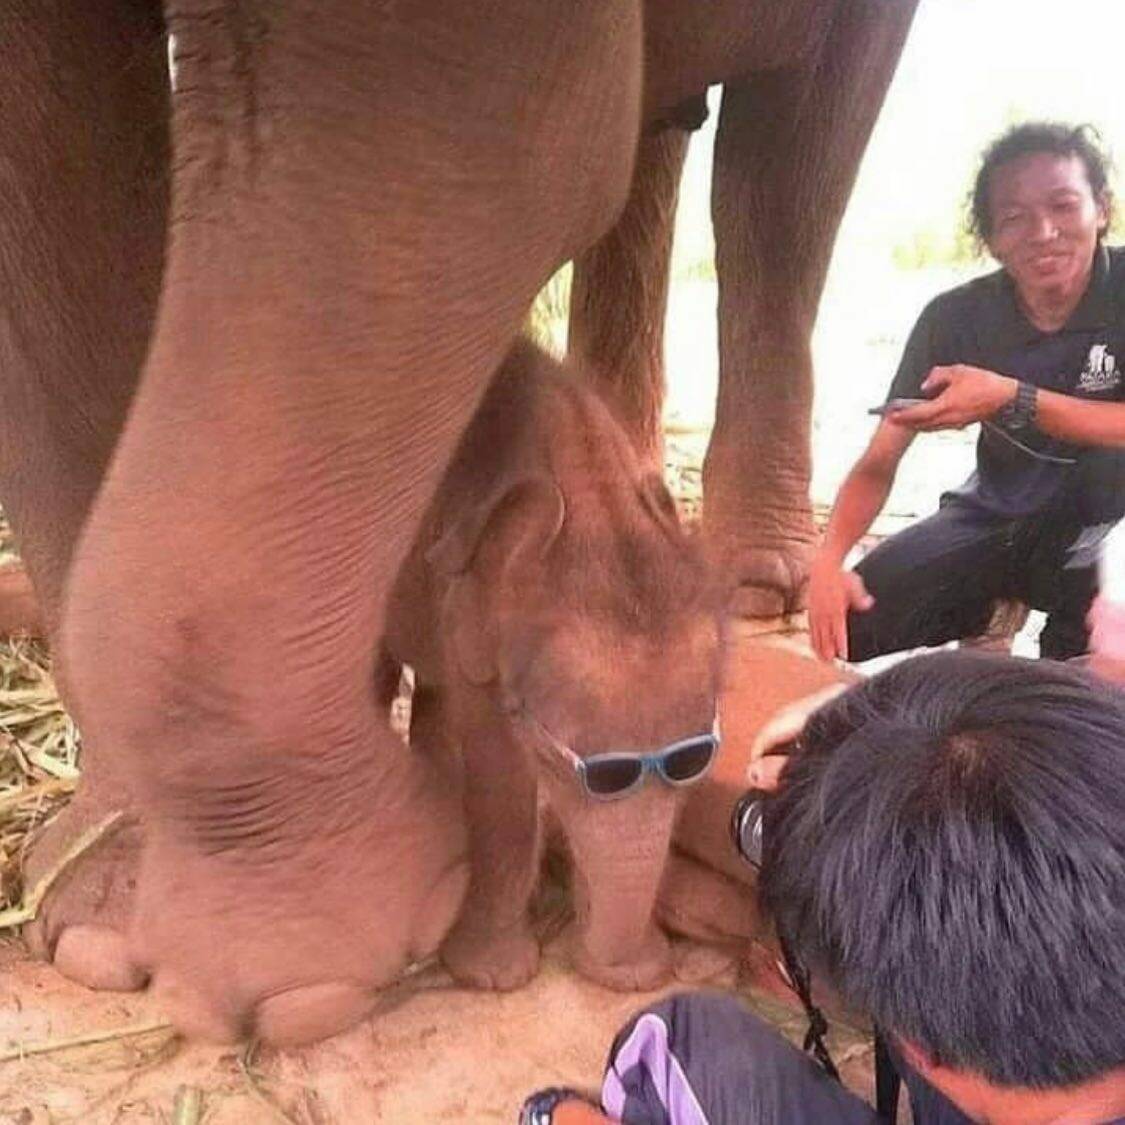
(610, 776)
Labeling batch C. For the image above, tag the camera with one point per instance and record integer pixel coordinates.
(746, 826)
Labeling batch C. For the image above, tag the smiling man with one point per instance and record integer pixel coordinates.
(1035, 352)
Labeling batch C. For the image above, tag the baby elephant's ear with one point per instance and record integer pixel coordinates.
(470, 629)
(527, 513)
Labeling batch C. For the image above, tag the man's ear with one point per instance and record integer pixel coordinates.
(915, 1057)
(1102, 202)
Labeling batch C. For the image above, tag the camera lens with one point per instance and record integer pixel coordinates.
(746, 826)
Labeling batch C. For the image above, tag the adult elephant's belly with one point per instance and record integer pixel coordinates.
(690, 46)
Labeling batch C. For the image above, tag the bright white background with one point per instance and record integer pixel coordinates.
(970, 68)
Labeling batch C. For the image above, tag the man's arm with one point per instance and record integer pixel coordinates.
(972, 394)
(832, 590)
(1080, 420)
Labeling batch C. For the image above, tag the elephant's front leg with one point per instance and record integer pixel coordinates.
(491, 945)
(788, 148)
(84, 181)
(358, 227)
(619, 850)
(620, 293)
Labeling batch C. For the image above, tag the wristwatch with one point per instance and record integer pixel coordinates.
(1019, 414)
(539, 1107)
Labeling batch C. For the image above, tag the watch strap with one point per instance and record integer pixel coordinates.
(540, 1106)
(1020, 413)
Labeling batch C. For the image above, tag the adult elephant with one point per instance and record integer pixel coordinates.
(243, 323)
(802, 86)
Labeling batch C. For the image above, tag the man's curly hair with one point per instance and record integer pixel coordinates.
(1053, 137)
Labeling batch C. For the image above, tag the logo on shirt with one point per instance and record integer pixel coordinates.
(1101, 372)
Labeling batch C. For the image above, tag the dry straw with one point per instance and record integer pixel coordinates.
(39, 751)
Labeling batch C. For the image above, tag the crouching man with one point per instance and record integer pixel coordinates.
(946, 846)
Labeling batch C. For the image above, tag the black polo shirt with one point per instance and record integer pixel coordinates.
(982, 324)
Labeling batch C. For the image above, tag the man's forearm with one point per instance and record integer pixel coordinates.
(859, 501)
(1080, 420)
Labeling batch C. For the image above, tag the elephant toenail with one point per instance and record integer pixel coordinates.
(97, 957)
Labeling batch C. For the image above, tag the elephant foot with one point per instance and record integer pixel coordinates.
(496, 960)
(766, 581)
(289, 938)
(87, 860)
(641, 968)
(286, 939)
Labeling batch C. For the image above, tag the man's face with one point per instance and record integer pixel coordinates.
(1045, 223)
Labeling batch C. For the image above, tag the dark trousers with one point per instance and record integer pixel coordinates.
(705, 1059)
(937, 581)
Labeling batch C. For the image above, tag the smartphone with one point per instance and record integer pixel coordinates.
(896, 404)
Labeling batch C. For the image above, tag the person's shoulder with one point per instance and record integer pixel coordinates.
(963, 304)
(1115, 260)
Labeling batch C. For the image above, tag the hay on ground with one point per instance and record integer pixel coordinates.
(39, 748)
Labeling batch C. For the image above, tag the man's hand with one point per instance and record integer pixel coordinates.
(578, 1113)
(967, 395)
(832, 592)
(783, 727)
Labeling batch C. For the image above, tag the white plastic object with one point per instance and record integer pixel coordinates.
(1113, 566)
(1107, 615)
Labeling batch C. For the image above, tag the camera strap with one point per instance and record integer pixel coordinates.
(887, 1078)
(798, 980)
(887, 1081)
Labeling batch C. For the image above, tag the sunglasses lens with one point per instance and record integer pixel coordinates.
(606, 776)
(690, 761)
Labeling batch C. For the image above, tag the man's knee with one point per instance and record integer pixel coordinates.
(718, 1043)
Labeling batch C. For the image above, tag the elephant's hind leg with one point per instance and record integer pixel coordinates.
(788, 148)
(620, 293)
(83, 175)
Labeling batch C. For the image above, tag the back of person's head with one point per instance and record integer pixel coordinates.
(948, 847)
(1030, 138)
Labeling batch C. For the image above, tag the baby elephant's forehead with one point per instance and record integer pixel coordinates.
(672, 680)
(691, 645)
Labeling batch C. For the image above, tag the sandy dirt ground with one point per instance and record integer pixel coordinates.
(433, 1053)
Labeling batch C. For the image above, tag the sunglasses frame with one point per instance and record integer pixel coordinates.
(652, 762)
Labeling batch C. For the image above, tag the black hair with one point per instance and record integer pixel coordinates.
(948, 847)
(1055, 138)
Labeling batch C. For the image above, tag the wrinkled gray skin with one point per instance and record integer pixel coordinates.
(551, 583)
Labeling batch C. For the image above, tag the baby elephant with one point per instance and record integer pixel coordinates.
(563, 634)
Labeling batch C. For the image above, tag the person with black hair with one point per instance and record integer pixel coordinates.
(946, 848)
(1036, 353)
